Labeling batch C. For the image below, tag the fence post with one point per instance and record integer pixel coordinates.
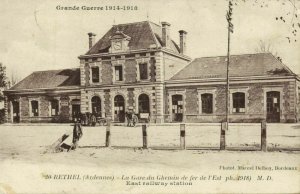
(145, 138)
(182, 136)
(224, 126)
(107, 140)
(263, 136)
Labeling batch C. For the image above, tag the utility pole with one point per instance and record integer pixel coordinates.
(230, 30)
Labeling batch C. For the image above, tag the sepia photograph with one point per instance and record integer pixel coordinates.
(162, 96)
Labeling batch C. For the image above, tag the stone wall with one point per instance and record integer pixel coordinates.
(152, 69)
(24, 107)
(87, 74)
(64, 109)
(130, 97)
(130, 71)
(289, 95)
(107, 103)
(8, 113)
(255, 103)
(298, 100)
(172, 65)
(106, 73)
(191, 102)
(43, 108)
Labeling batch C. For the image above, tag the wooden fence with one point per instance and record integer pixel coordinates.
(182, 133)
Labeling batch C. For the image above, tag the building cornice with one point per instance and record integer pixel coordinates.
(168, 83)
(119, 53)
(165, 50)
(234, 80)
(168, 51)
(44, 90)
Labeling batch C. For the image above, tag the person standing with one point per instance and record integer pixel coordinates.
(77, 134)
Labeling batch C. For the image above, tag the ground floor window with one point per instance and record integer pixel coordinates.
(273, 106)
(75, 108)
(34, 108)
(144, 103)
(16, 111)
(177, 108)
(207, 103)
(119, 108)
(238, 102)
(96, 106)
(54, 107)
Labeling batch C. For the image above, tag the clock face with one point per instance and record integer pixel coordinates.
(117, 45)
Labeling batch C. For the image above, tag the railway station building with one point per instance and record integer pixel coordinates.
(139, 67)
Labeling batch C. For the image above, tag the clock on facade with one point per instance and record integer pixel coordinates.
(117, 45)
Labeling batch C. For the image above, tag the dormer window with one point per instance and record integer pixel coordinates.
(119, 42)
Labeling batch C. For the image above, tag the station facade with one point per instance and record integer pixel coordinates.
(138, 67)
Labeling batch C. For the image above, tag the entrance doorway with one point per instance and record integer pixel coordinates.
(144, 108)
(273, 107)
(144, 104)
(119, 109)
(75, 108)
(96, 106)
(177, 108)
(15, 112)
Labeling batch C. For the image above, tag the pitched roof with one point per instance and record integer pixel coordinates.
(259, 64)
(144, 35)
(50, 79)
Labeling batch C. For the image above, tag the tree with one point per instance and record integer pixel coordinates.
(14, 78)
(3, 84)
(290, 18)
(292, 15)
(266, 47)
(3, 78)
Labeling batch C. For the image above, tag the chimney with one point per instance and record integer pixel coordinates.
(166, 34)
(91, 39)
(182, 37)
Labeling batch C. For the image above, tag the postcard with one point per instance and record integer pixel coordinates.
(162, 96)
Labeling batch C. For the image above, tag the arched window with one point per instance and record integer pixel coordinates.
(144, 103)
(119, 108)
(96, 105)
(207, 103)
(238, 99)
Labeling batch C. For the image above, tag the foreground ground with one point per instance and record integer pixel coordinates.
(26, 168)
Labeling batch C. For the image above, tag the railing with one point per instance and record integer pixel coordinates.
(220, 143)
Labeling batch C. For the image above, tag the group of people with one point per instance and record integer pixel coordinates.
(86, 119)
(131, 118)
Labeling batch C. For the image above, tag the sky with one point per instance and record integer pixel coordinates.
(36, 36)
